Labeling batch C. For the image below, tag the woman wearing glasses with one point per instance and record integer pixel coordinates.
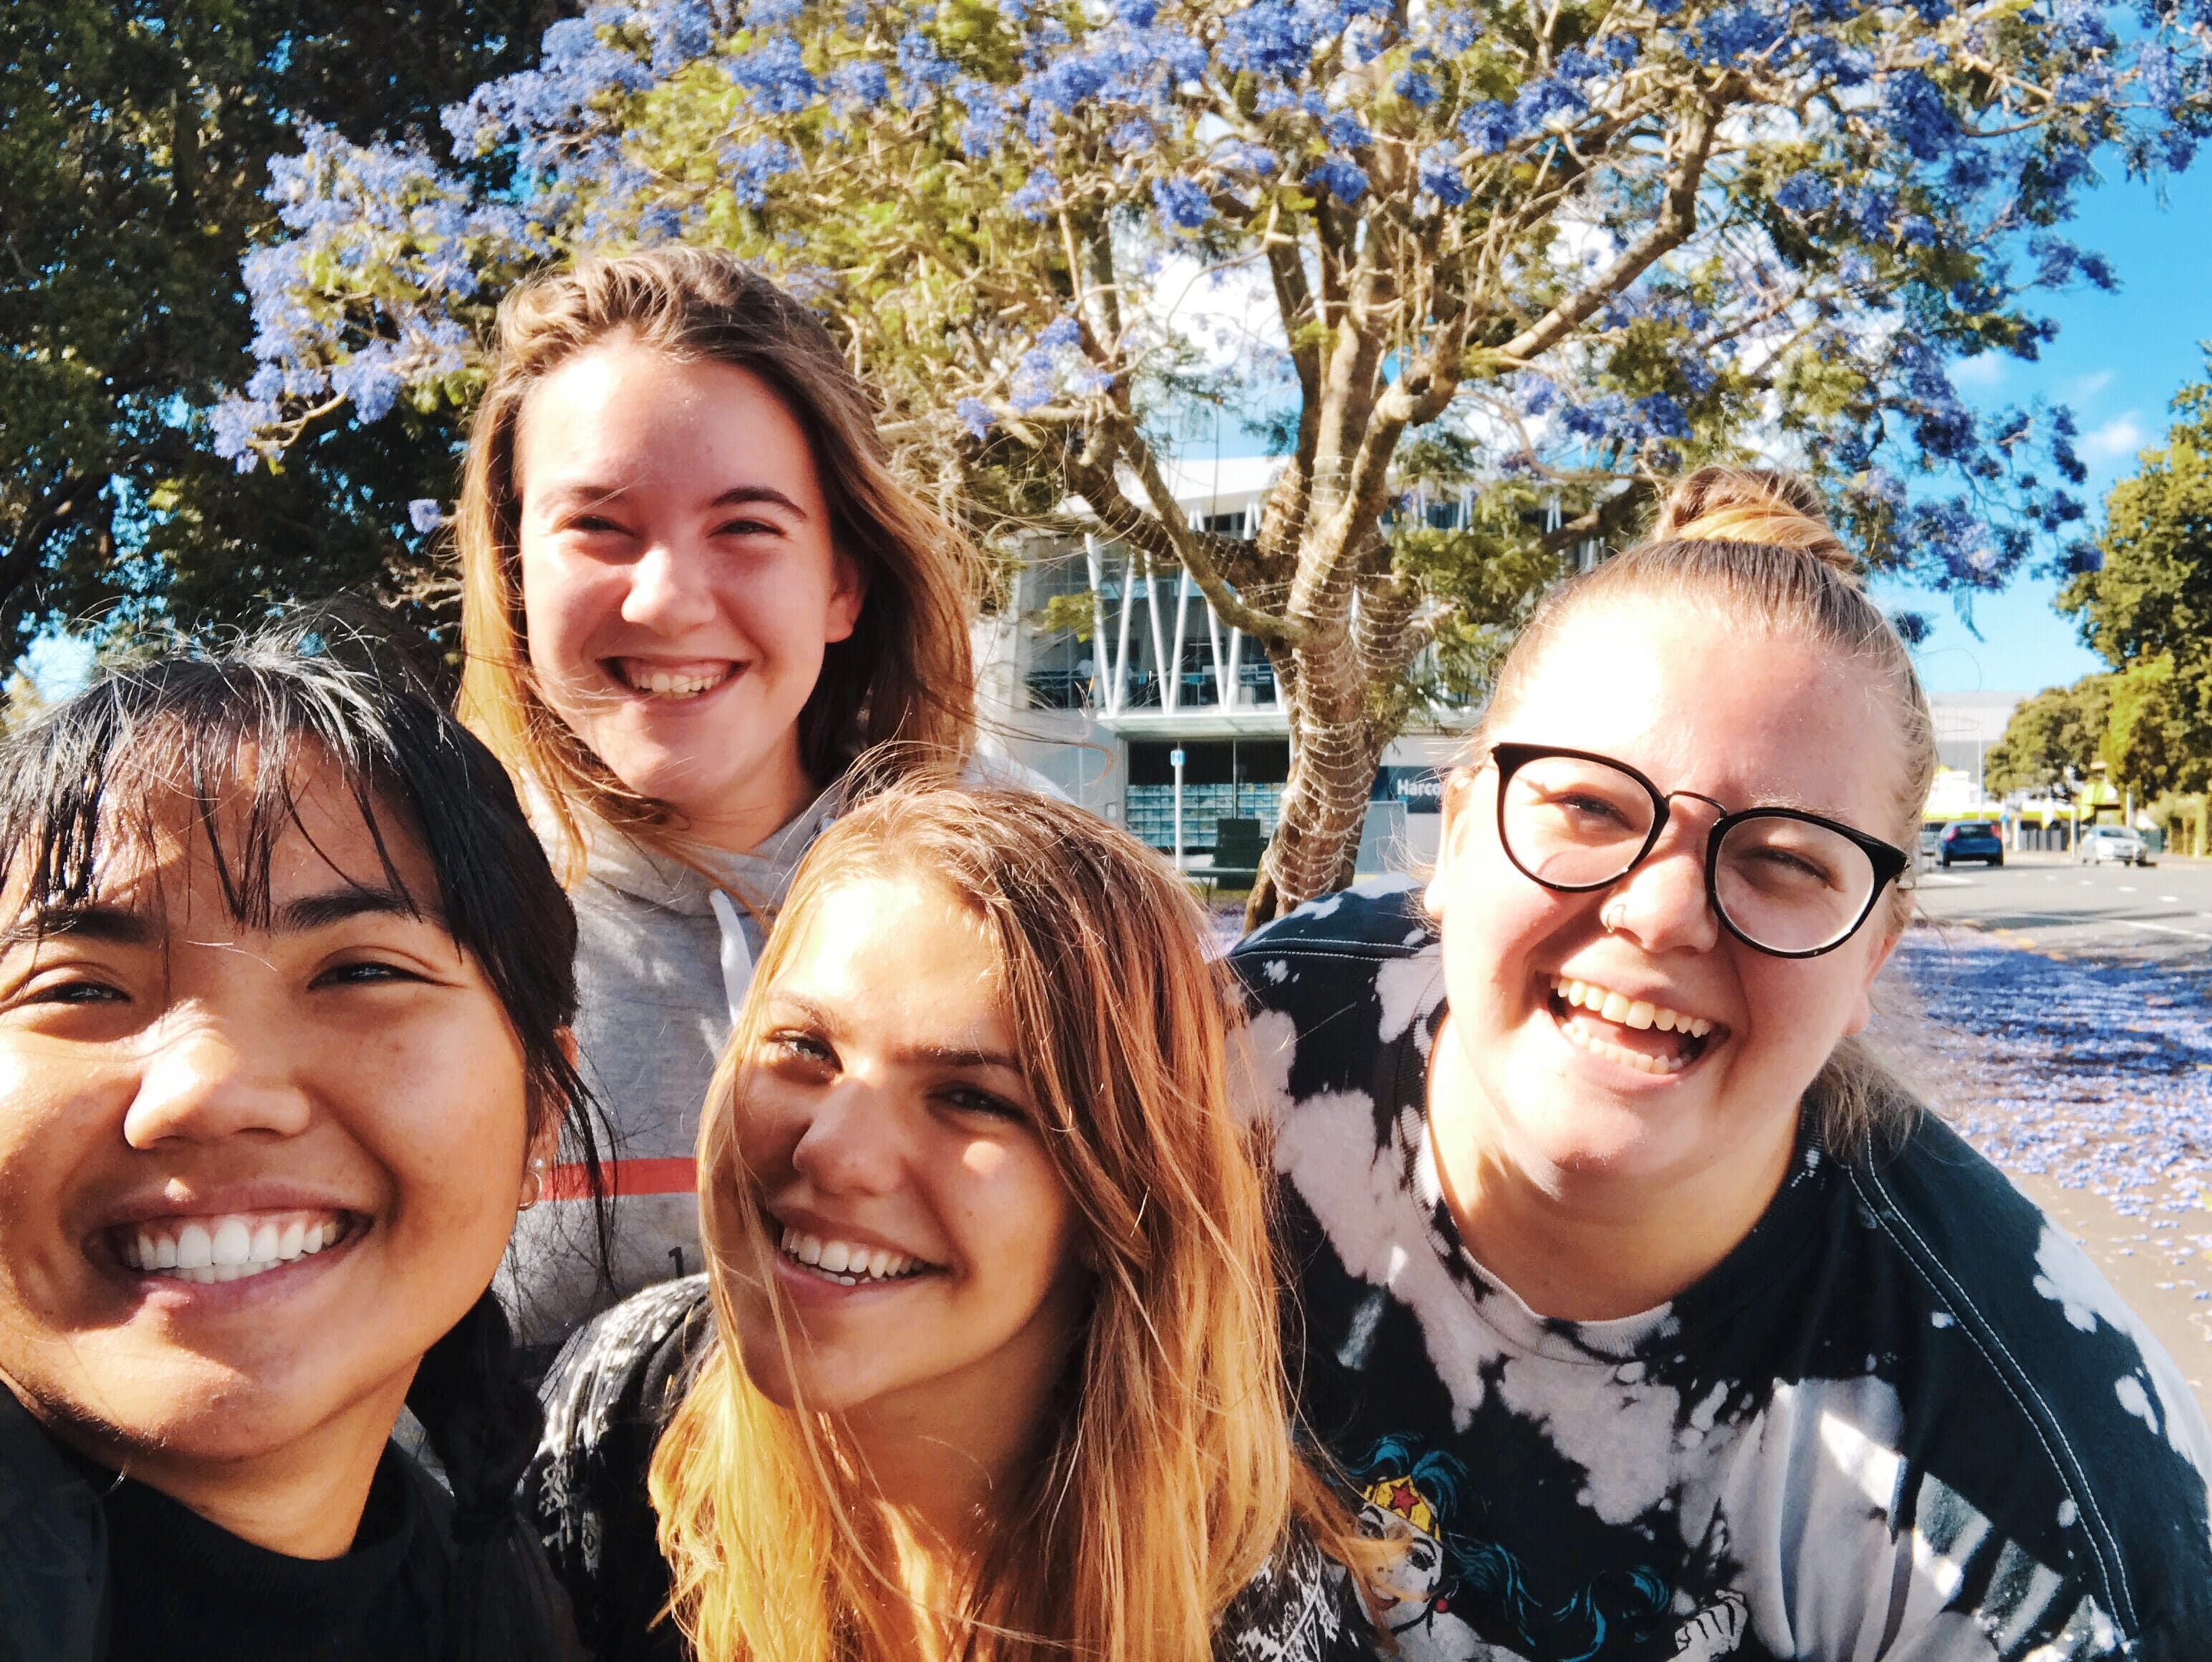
(1645, 1310)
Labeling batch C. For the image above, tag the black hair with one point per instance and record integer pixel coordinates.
(234, 733)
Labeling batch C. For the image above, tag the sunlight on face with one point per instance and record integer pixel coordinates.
(1740, 715)
(251, 1174)
(679, 580)
(927, 1245)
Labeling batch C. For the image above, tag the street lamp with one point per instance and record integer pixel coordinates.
(1175, 760)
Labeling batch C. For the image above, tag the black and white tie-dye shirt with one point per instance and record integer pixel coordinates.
(612, 1391)
(1905, 1419)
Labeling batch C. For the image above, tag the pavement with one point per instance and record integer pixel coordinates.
(2060, 1016)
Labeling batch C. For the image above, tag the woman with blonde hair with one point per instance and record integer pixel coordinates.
(693, 591)
(1651, 1316)
(985, 1362)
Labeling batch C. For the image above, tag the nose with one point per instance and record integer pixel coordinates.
(1662, 904)
(200, 1087)
(670, 589)
(852, 1144)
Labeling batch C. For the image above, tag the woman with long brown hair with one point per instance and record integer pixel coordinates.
(985, 1363)
(693, 591)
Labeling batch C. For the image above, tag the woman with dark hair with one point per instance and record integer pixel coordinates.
(1598, 1203)
(285, 988)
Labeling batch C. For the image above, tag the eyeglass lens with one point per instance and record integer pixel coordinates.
(1782, 883)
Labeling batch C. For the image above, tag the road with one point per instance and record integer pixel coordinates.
(2047, 902)
(2061, 1017)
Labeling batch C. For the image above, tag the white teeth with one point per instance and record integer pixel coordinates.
(665, 684)
(226, 1249)
(234, 1242)
(847, 1263)
(1629, 1013)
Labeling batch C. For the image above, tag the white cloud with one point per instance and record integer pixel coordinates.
(2085, 389)
(2120, 437)
(1985, 371)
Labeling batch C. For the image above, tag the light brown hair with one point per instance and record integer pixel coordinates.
(1754, 546)
(1169, 1474)
(902, 678)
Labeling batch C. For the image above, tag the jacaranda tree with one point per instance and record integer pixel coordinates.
(1554, 251)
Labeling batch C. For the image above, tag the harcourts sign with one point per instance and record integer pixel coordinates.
(1421, 790)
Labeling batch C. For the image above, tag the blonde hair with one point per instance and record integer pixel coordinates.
(903, 676)
(1169, 1474)
(1755, 546)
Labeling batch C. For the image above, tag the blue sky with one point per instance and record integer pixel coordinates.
(2118, 361)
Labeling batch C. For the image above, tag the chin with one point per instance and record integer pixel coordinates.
(1607, 1138)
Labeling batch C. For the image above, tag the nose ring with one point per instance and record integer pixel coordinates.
(1613, 915)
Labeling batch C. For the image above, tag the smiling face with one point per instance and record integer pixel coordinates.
(1574, 1078)
(927, 1261)
(679, 583)
(250, 1175)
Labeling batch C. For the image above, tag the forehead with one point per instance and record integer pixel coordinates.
(1737, 710)
(904, 949)
(656, 417)
(249, 844)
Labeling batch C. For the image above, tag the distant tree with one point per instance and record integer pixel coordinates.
(2052, 741)
(2147, 609)
(1589, 243)
(135, 140)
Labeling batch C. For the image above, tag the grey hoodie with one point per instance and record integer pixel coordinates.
(663, 959)
(663, 956)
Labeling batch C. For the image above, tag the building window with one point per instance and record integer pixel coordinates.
(1230, 778)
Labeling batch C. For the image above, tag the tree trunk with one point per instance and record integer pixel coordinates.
(1334, 749)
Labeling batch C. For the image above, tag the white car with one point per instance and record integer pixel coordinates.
(2102, 842)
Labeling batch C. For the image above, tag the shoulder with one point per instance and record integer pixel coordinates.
(1301, 1606)
(53, 1548)
(1374, 923)
(628, 1366)
(2066, 1377)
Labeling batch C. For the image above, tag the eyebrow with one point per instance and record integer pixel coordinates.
(737, 496)
(936, 1056)
(124, 926)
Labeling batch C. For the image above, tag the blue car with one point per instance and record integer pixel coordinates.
(1970, 839)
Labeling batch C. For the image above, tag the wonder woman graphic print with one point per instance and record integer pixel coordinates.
(1905, 1419)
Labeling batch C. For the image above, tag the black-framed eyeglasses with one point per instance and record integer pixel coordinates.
(1779, 880)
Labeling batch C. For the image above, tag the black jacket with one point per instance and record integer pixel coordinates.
(53, 1549)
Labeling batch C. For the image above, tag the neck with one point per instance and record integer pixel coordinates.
(949, 1473)
(770, 801)
(1578, 1244)
(304, 1499)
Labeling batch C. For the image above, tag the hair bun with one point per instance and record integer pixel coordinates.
(1752, 505)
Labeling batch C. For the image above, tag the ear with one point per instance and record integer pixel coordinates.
(848, 594)
(1862, 1010)
(1459, 825)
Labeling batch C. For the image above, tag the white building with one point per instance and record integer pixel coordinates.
(1102, 718)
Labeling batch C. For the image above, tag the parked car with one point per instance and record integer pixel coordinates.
(1931, 839)
(2101, 842)
(1970, 839)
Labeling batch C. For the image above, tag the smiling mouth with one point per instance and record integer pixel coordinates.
(659, 681)
(1634, 1032)
(849, 1264)
(230, 1247)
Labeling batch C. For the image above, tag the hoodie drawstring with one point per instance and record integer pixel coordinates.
(737, 956)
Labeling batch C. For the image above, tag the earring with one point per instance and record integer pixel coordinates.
(534, 1185)
(1087, 1256)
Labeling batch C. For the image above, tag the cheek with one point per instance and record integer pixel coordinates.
(1012, 1216)
(451, 1137)
(563, 602)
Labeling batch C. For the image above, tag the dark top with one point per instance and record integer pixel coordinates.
(612, 1391)
(183, 1590)
(1906, 1418)
(97, 1569)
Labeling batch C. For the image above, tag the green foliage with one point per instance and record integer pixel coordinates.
(2147, 609)
(134, 155)
(2052, 741)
